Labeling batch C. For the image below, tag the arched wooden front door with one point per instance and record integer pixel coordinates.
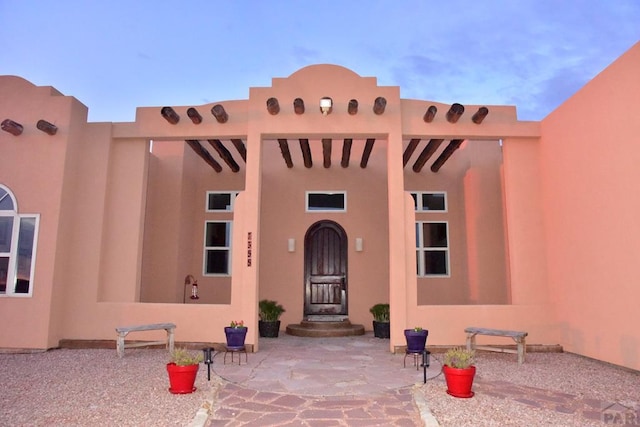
(325, 272)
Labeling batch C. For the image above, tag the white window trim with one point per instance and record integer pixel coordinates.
(13, 251)
(421, 249)
(233, 195)
(419, 207)
(206, 248)
(306, 201)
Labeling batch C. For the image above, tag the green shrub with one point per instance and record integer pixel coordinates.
(380, 313)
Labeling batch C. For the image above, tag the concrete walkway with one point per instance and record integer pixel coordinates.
(296, 381)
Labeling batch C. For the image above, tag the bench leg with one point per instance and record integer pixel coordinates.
(471, 341)
(170, 340)
(522, 350)
(120, 344)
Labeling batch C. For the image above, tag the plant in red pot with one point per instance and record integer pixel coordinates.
(459, 371)
(183, 369)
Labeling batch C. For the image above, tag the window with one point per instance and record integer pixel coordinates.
(217, 248)
(432, 249)
(220, 201)
(318, 201)
(430, 202)
(17, 247)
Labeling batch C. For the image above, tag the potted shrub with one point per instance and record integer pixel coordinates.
(381, 325)
(182, 369)
(236, 332)
(459, 371)
(416, 339)
(269, 313)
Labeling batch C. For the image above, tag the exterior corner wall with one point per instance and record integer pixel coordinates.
(589, 169)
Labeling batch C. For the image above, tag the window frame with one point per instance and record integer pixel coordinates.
(328, 193)
(12, 255)
(227, 248)
(418, 205)
(232, 201)
(421, 249)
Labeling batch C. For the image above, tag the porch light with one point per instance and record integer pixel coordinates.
(291, 245)
(326, 105)
(358, 244)
(208, 360)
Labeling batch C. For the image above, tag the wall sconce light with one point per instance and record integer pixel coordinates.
(326, 105)
(358, 244)
(291, 245)
(190, 280)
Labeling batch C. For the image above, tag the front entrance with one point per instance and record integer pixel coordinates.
(325, 271)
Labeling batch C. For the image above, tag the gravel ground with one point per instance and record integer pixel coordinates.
(549, 389)
(95, 388)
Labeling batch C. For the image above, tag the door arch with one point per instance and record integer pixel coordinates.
(325, 270)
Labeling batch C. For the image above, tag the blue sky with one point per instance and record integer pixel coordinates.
(118, 55)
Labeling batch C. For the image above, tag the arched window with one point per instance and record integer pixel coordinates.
(18, 235)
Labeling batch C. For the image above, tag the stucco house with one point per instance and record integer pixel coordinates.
(327, 193)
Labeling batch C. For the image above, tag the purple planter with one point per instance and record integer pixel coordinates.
(416, 340)
(235, 337)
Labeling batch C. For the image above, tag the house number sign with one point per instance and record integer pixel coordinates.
(249, 237)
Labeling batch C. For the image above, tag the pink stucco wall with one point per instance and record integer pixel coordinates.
(589, 160)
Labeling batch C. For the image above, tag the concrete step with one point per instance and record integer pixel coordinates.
(317, 329)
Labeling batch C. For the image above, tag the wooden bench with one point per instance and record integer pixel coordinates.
(124, 330)
(518, 336)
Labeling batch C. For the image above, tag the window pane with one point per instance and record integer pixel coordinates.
(4, 268)
(6, 229)
(217, 262)
(415, 201)
(326, 201)
(433, 202)
(6, 204)
(217, 234)
(435, 262)
(435, 234)
(219, 202)
(25, 254)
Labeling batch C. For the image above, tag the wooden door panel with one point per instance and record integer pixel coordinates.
(325, 269)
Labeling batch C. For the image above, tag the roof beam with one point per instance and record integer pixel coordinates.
(426, 154)
(306, 152)
(326, 152)
(286, 154)
(446, 153)
(408, 152)
(346, 152)
(367, 152)
(224, 154)
(204, 154)
(240, 147)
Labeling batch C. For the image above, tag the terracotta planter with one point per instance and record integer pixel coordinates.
(416, 340)
(459, 381)
(235, 337)
(182, 378)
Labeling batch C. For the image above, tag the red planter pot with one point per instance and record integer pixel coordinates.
(182, 378)
(459, 381)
